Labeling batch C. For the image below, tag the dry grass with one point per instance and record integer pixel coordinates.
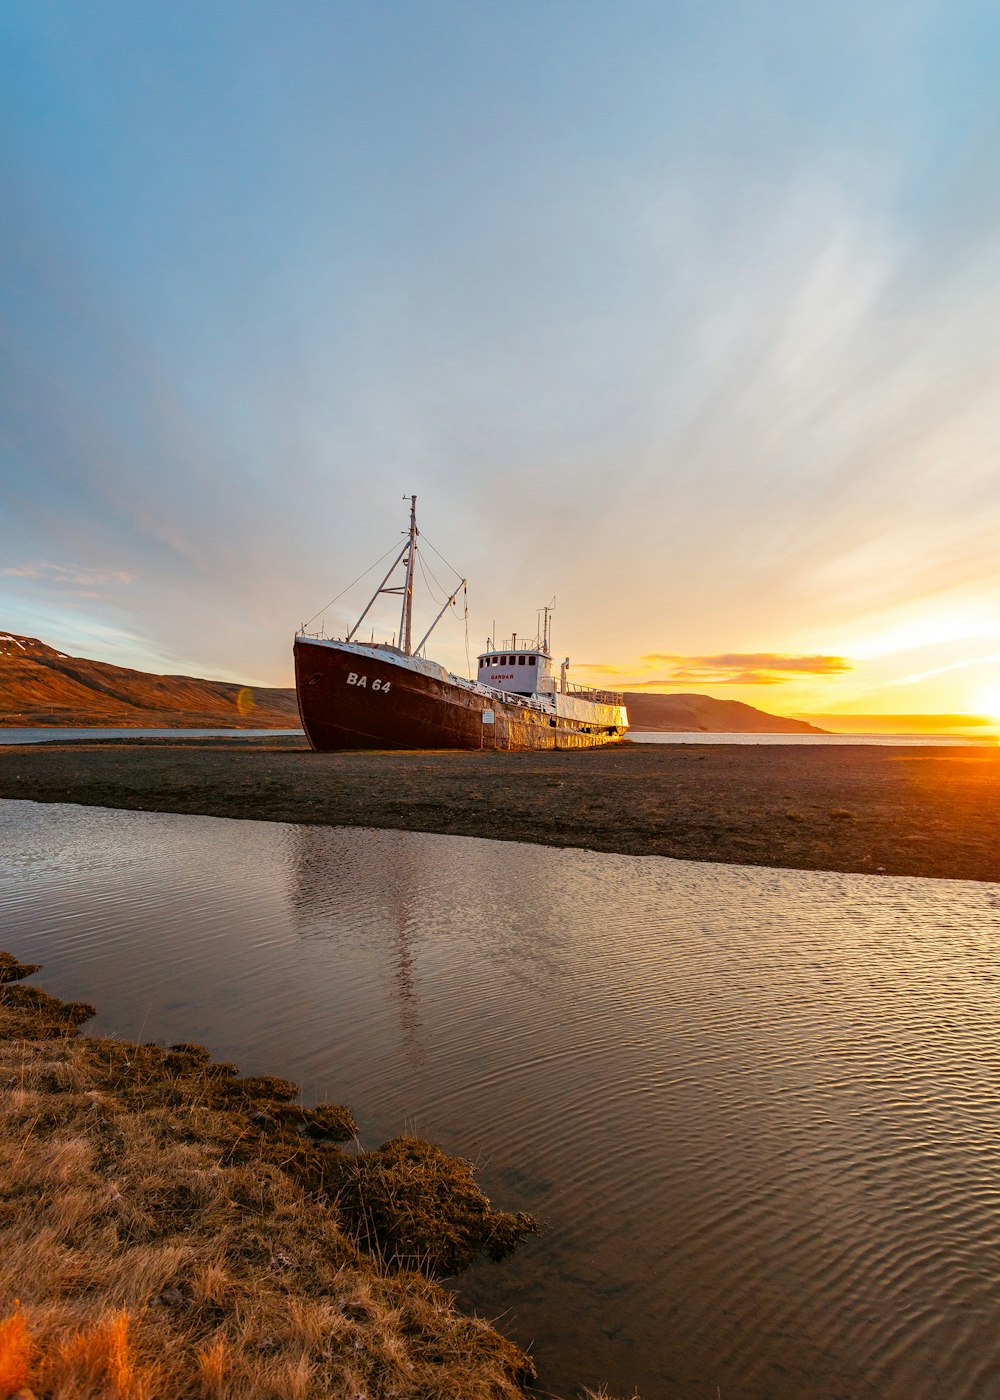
(168, 1229)
(422, 1209)
(16, 1353)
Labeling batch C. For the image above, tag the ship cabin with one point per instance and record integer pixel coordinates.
(517, 670)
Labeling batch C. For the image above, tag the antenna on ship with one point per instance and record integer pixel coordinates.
(549, 608)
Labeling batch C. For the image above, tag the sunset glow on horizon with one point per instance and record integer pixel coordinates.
(689, 316)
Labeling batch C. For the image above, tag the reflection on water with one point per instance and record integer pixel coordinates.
(756, 1110)
(892, 741)
(326, 876)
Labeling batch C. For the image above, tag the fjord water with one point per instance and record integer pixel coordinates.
(639, 736)
(65, 734)
(756, 1111)
(890, 741)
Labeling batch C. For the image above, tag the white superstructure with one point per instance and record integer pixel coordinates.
(519, 670)
(528, 671)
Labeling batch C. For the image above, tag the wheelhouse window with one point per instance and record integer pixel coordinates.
(532, 660)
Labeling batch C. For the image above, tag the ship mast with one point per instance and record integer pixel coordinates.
(406, 616)
(406, 556)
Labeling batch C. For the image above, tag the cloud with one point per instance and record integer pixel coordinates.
(743, 668)
(598, 668)
(68, 576)
(741, 370)
(916, 676)
(682, 677)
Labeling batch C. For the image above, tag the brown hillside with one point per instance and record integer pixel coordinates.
(693, 713)
(40, 686)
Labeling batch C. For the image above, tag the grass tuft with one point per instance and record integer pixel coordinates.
(13, 971)
(16, 1349)
(421, 1209)
(169, 1229)
(214, 1368)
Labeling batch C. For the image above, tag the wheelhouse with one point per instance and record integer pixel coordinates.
(517, 670)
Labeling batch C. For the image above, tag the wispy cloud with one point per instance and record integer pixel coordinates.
(598, 668)
(742, 668)
(915, 676)
(740, 372)
(68, 575)
(682, 677)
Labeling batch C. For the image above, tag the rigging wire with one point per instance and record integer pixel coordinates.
(468, 658)
(440, 585)
(441, 557)
(351, 585)
(428, 575)
(425, 569)
(465, 591)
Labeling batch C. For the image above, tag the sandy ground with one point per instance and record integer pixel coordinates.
(899, 811)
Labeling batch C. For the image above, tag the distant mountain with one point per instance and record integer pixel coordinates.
(691, 713)
(41, 686)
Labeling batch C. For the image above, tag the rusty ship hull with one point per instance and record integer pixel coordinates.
(374, 697)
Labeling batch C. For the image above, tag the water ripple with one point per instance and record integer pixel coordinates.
(756, 1110)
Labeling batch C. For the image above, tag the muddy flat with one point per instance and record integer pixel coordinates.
(899, 811)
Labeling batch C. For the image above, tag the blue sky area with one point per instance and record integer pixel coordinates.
(687, 314)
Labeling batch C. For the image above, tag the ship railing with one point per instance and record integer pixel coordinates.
(509, 697)
(554, 685)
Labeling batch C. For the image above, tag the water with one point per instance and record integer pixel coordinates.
(51, 736)
(60, 736)
(755, 1110)
(643, 736)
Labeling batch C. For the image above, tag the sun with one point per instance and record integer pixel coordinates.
(988, 702)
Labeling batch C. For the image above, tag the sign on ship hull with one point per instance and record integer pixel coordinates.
(353, 697)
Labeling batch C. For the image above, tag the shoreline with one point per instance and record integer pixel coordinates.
(926, 811)
(172, 1229)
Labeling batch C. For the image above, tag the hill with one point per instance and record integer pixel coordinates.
(691, 713)
(40, 686)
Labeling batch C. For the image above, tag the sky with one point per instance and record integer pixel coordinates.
(686, 315)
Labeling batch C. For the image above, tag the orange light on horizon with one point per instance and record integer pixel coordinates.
(860, 722)
(988, 702)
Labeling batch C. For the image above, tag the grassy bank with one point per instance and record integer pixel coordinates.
(171, 1229)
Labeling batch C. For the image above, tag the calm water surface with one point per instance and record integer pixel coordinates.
(61, 735)
(757, 1111)
(52, 736)
(646, 736)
